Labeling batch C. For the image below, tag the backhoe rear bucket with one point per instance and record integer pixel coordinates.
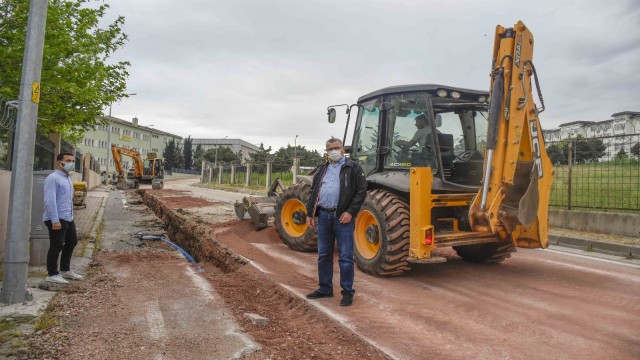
(260, 209)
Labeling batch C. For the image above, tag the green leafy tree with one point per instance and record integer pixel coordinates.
(225, 155)
(259, 158)
(556, 154)
(586, 150)
(283, 158)
(621, 155)
(198, 157)
(77, 81)
(635, 150)
(188, 153)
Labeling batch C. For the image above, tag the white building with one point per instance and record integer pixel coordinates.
(238, 146)
(614, 133)
(143, 139)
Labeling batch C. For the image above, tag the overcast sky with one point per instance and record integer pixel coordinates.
(265, 71)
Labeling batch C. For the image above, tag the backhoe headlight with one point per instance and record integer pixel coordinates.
(455, 95)
(482, 98)
(442, 93)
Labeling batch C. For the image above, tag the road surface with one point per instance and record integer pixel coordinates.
(539, 304)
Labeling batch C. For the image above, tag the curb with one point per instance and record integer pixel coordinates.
(93, 233)
(628, 251)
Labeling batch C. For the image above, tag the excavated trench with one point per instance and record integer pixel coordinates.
(192, 237)
(296, 329)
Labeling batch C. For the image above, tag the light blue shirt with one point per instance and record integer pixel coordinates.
(58, 197)
(330, 185)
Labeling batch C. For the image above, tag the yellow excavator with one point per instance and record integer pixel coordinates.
(149, 170)
(474, 176)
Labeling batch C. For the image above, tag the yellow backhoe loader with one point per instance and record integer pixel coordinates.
(477, 178)
(149, 170)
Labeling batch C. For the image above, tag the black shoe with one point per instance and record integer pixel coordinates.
(318, 295)
(347, 300)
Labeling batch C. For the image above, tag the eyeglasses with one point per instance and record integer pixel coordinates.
(334, 148)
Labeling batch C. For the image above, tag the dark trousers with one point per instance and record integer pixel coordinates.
(330, 231)
(63, 240)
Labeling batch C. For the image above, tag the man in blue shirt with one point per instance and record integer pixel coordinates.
(337, 193)
(58, 216)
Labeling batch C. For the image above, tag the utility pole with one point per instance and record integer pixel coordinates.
(16, 256)
(295, 147)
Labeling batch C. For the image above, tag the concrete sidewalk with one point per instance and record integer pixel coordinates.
(18, 320)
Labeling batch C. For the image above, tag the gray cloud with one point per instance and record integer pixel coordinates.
(266, 71)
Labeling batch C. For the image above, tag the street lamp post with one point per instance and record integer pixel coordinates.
(295, 147)
(150, 135)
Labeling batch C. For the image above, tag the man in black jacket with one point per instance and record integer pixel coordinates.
(337, 193)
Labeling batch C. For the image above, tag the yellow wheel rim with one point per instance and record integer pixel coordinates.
(294, 217)
(367, 234)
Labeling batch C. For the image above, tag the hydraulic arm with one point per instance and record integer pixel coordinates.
(514, 199)
(118, 151)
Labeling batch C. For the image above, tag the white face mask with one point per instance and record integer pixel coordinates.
(335, 155)
(68, 166)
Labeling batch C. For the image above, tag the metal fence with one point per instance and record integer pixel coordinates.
(600, 173)
(44, 149)
(236, 174)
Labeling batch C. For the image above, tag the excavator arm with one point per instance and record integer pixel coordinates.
(513, 202)
(118, 151)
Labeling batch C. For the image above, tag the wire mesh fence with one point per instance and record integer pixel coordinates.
(600, 173)
(44, 149)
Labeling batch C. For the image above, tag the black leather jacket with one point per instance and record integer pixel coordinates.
(353, 189)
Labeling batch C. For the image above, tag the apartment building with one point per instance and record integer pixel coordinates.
(129, 134)
(238, 146)
(618, 133)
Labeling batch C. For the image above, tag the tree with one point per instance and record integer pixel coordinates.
(198, 157)
(586, 150)
(225, 155)
(78, 81)
(556, 154)
(622, 155)
(259, 158)
(170, 151)
(635, 150)
(283, 158)
(188, 153)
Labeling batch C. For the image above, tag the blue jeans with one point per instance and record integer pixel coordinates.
(331, 230)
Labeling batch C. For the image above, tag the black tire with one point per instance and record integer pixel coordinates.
(389, 256)
(291, 226)
(486, 253)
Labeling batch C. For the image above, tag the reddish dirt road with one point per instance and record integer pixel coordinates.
(539, 304)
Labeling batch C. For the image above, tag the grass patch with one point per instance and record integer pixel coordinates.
(98, 240)
(19, 344)
(7, 325)
(47, 320)
(602, 186)
(8, 335)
